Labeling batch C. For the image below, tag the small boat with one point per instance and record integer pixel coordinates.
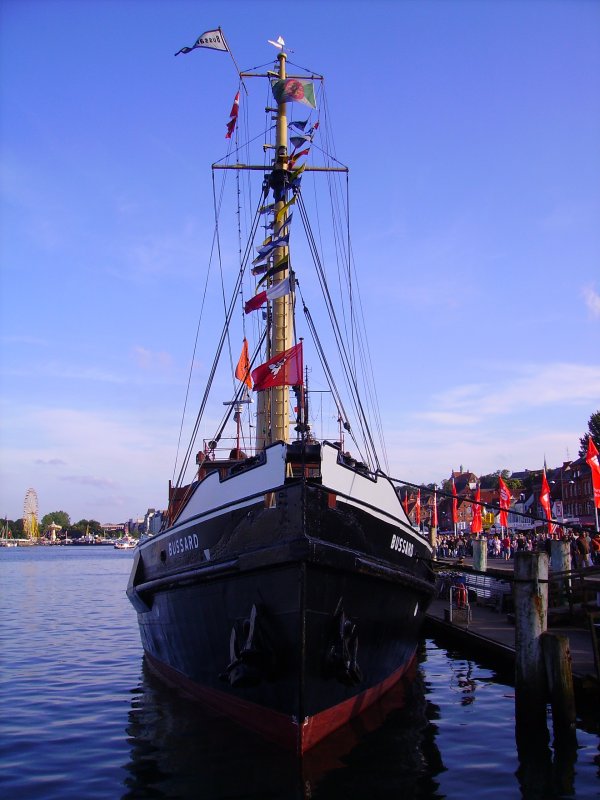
(125, 543)
(288, 586)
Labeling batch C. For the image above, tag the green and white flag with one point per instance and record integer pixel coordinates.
(293, 89)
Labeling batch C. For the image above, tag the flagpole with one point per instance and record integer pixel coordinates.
(237, 69)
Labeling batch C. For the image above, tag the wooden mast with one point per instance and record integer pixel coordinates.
(281, 327)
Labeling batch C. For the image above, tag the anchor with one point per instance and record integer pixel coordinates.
(250, 660)
(341, 658)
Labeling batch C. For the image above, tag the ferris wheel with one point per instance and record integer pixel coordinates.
(30, 514)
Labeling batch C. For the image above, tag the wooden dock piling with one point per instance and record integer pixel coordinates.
(480, 554)
(557, 657)
(531, 621)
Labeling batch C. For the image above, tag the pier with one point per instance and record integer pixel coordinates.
(487, 624)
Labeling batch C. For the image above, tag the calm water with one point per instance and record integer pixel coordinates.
(81, 718)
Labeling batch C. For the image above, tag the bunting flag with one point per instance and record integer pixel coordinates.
(299, 125)
(279, 267)
(295, 156)
(505, 499)
(284, 369)
(284, 208)
(476, 526)
(434, 512)
(242, 371)
(545, 501)
(418, 508)
(234, 115)
(454, 504)
(287, 221)
(295, 173)
(267, 248)
(593, 463)
(259, 267)
(298, 141)
(213, 40)
(286, 90)
(276, 290)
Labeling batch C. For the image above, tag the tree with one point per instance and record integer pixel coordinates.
(593, 431)
(58, 518)
(88, 526)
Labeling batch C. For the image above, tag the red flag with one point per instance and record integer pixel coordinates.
(236, 106)
(545, 499)
(505, 499)
(234, 115)
(454, 504)
(242, 371)
(418, 508)
(593, 463)
(434, 514)
(405, 502)
(284, 369)
(276, 290)
(476, 526)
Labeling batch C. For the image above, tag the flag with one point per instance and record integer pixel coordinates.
(418, 508)
(295, 156)
(454, 504)
(213, 40)
(296, 173)
(405, 503)
(298, 141)
(505, 499)
(235, 108)
(476, 526)
(284, 208)
(276, 290)
(230, 127)
(593, 463)
(242, 371)
(279, 267)
(265, 249)
(545, 500)
(287, 89)
(299, 125)
(266, 209)
(286, 222)
(234, 115)
(284, 369)
(434, 513)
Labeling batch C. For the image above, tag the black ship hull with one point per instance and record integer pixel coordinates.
(291, 611)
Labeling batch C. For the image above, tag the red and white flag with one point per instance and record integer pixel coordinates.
(593, 463)
(235, 108)
(284, 369)
(276, 290)
(434, 514)
(418, 508)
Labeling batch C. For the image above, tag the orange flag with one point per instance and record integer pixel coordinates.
(242, 371)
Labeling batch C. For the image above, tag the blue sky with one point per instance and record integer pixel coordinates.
(472, 131)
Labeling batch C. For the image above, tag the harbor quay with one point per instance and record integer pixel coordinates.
(475, 608)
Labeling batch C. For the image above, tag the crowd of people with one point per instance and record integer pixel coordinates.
(584, 544)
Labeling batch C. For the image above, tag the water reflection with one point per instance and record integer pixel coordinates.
(178, 749)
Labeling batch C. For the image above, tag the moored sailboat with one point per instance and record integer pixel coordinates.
(288, 587)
